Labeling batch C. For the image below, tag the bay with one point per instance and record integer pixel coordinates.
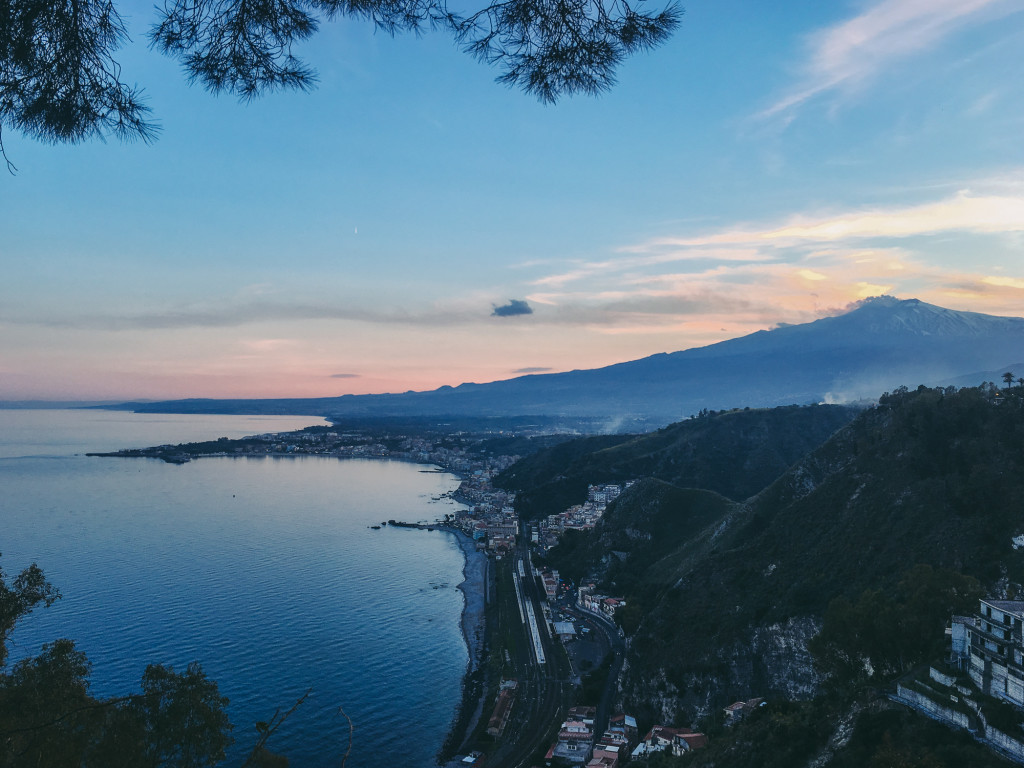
(263, 569)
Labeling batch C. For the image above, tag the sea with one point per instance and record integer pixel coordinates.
(264, 570)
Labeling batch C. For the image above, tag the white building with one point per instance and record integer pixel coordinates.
(997, 649)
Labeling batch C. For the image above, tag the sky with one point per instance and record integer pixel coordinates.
(410, 223)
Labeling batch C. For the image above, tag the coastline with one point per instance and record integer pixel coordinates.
(473, 588)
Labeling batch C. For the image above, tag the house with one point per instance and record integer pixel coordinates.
(677, 741)
(572, 745)
(687, 741)
(500, 543)
(550, 579)
(611, 604)
(575, 737)
(621, 734)
(604, 757)
(586, 589)
(740, 709)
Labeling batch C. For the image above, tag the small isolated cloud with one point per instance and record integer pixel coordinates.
(513, 308)
(532, 370)
(344, 375)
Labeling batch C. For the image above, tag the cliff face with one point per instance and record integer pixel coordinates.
(768, 660)
(724, 597)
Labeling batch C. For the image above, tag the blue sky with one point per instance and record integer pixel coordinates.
(766, 165)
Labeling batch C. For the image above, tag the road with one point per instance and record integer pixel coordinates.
(617, 648)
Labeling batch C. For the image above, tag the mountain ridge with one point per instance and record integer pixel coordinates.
(878, 345)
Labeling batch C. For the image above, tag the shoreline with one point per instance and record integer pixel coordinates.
(473, 587)
(473, 622)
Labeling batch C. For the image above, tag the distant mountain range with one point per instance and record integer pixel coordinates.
(881, 344)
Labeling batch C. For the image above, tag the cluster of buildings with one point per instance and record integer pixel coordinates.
(455, 454)
(677, 741)
(578, 745)
(589, 599)
(492, 520)
(461, 453)
(580, 517)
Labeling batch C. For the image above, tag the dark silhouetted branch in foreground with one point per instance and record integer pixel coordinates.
(59, 81)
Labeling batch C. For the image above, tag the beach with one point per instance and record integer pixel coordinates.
(473, 590)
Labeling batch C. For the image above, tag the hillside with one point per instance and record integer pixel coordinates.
(735, 454)
(880, 344)
(931, 477)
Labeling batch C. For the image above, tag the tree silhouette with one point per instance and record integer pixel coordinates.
(49, 719)
(1008, 378)
(59, 81)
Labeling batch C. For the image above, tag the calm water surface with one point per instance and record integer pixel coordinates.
(263, 569)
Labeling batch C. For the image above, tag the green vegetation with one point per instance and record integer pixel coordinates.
(886, 633)
(834, 581)
(883, 735)
(48, 718)
(894, 736)
(734, 453)
(931, 477)
(593, 684)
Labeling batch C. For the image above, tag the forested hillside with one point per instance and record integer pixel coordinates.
(734, 453)
(904, 515)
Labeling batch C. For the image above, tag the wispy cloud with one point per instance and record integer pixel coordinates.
(345, 376)
(644, 258)
(533, 369)
(796, 269)
(242, 311)
(965, 212)
(856, 51)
